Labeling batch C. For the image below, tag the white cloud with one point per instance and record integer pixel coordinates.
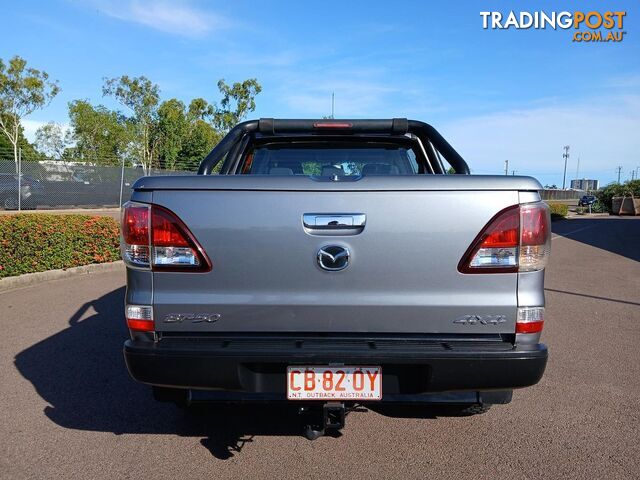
(357, 93)
(602, 132)
(30, 127)
(175, 17)
(629, 81)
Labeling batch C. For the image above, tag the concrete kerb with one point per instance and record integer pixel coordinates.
(28, 279)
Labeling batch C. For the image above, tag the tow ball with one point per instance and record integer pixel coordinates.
(330, 418)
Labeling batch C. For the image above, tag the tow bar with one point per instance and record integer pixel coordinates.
(333, 415)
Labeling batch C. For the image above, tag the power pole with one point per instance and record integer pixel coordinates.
(513, 172)
(619, 171)
(565, 155)
(506, 167)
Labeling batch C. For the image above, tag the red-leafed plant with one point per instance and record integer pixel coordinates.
(38, 242)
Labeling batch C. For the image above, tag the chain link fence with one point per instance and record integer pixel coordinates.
(41, 183)
(46, 183)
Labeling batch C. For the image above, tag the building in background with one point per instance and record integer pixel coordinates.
(584, 184)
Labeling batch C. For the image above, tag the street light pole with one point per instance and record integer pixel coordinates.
(565, 155)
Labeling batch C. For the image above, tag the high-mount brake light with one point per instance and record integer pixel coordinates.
(154, 237)
(332, 125)
(517, 239)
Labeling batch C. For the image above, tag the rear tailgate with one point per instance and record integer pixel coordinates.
(402, 276)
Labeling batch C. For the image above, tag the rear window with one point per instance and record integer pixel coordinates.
(331, 161)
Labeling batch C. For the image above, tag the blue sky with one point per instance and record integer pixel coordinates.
(495, 94)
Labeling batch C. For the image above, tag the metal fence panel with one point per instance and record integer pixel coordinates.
(553, 194)
(49, 183)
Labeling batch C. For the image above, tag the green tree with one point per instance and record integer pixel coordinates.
(201, 138)
(166, 134)
(141, 97)
(206, 124)
(101, 136)
(200, 109)
(185, 136)
(22, 91)
(237, 101)
(51, 140)
(6, 147)
(629, 188)
(170, 132)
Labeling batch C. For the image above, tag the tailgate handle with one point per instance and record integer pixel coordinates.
(335, 221)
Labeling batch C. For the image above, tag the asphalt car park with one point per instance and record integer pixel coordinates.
(68, 408)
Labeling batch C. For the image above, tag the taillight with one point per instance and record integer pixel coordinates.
(154, 237)
(135, 235)
(517, 239)
(172, 244)
(139, 318)
(496, 248)
(535, 236)
(530, 320)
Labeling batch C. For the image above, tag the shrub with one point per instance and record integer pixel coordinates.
(598, 207)
(38, 242)
(606, 194)
(558, 210)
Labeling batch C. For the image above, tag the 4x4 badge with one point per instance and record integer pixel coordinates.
(480, 319)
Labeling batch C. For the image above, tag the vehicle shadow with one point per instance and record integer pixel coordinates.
(80, 373)
(619, 235)
(430, 412)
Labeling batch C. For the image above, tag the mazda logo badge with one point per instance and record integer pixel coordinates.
(333, 258)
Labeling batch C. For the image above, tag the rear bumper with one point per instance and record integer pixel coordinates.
(415, 366)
